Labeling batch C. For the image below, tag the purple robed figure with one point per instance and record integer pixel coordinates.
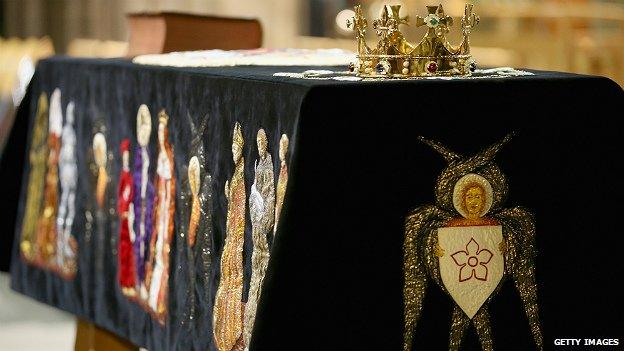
(143, 201)
(143, 205)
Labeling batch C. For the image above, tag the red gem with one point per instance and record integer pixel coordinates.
(432, 67)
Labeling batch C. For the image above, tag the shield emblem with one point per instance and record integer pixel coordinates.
(472, 264)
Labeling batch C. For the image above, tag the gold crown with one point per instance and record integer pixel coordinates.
(395, 57)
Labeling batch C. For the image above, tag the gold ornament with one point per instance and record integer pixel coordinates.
(228, 308)
(395, 57)
(466, 243)
(37, 157)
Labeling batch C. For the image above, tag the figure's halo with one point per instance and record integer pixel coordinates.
(460, 188)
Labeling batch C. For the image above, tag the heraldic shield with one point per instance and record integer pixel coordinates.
(472, 264)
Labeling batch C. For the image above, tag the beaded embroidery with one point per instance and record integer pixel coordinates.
(423, 252)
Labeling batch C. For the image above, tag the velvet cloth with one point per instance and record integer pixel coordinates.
(334, 280)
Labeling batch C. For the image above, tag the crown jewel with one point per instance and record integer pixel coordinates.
(395, 57)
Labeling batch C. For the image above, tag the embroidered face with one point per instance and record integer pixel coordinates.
(193, 174)
(472, 196)
(262, 143)
(99, 149)
(474, 200)
(283, 149)
(144, 125)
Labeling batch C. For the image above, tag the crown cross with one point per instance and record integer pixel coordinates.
(358, 22)
(469, 20)
(396, 17)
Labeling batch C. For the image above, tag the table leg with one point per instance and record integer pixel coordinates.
(90, 337)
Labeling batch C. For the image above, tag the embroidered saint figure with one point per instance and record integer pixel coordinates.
(100, 157)
(282, 180)
(164, 207)
(66, 245)
(228, 307)
(38, 154)
(125, 209)
(143, 198)
(195, 200)
(466, 244)
(261, 210)
(194, 184)
(46, 227)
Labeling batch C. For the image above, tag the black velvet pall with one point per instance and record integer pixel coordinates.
(356, 168)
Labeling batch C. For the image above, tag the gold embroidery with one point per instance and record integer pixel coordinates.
(282, 180)
(46, 226)
(261, 210)
(194, 184)
(99, 154)
(421, 264)
(228, 307)
(37, 157)
(157, 271)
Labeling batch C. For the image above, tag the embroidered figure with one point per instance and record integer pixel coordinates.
(99, 155)
(125, 209)
(158, 265)
(282, 180)
(468, 256)
(38, 155)
(262, 212)
(194, 184)
(46, 227)
(196, 205)
(143, 198)
(228, 307)
(66, 245)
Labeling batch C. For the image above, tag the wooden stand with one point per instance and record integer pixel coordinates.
(90, 337)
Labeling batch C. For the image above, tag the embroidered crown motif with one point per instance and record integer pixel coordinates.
(395, 57)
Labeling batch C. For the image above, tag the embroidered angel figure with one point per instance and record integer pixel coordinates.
(66, 244)
(196, 228)
(261, 210)
(467, 243)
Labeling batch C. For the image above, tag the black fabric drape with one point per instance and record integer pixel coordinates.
(334, 281)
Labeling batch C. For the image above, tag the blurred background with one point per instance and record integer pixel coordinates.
(582, 36)
(585, 36)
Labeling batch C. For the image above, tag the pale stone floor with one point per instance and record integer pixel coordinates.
(27, 325)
